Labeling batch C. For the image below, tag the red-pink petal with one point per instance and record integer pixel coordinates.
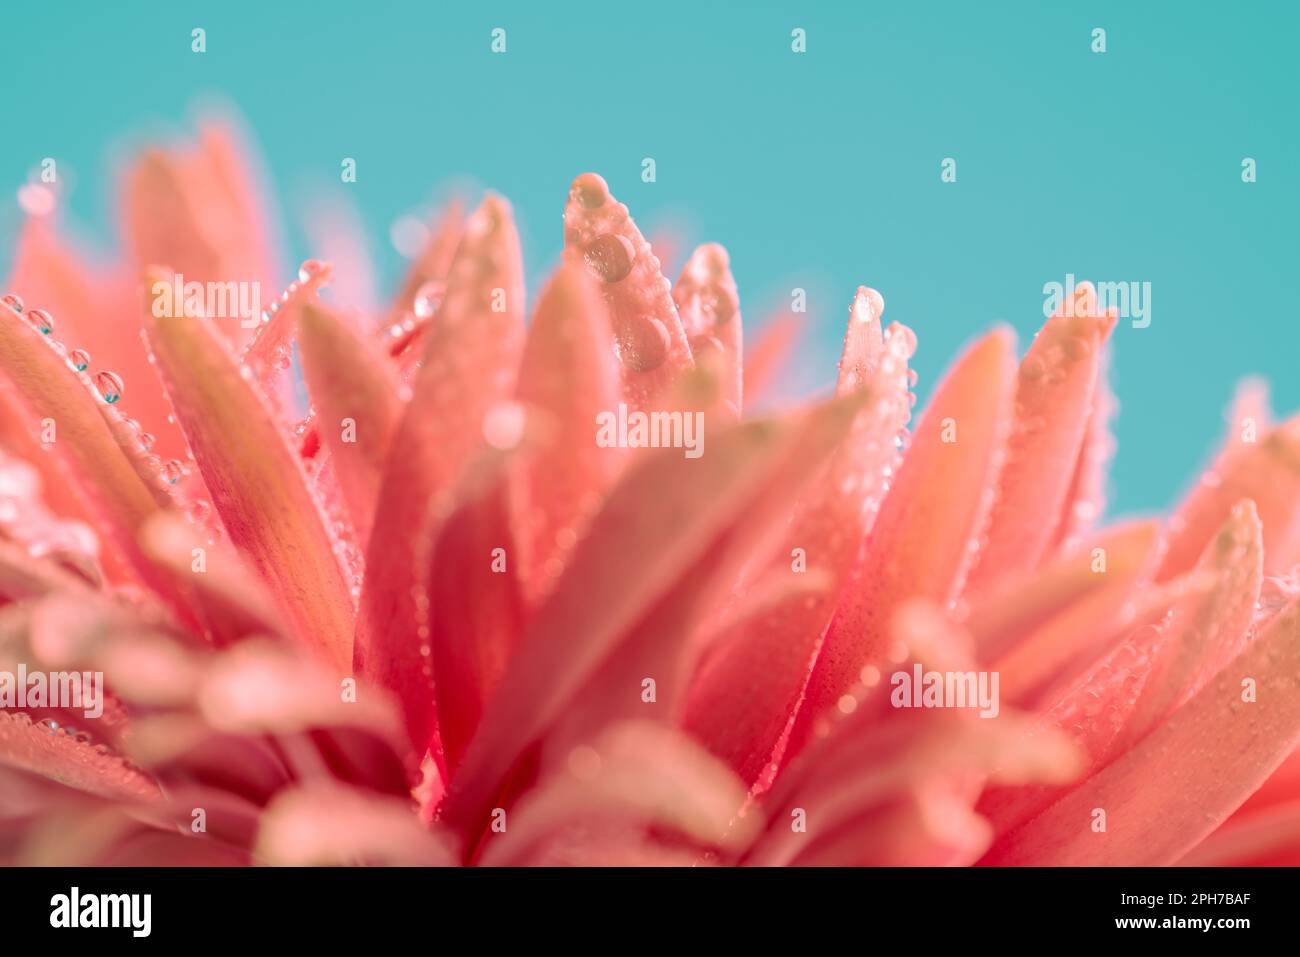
(567, 377)
(600, 236)
(257, 483)
(620, 614)
(709, 308)
(1054, 401)
(355, 392)
(921, 542)
(1162, 797)
(470, 361)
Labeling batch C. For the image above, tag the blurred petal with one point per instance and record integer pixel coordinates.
(709, 309)
(639, 773)
(675, 510)
(330, 826)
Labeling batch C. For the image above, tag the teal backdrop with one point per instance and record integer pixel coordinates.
(818, 170)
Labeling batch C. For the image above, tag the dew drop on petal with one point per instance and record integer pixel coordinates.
(80, 359)
(42, 320)
(503, 426)
(12, 302)
(110, 386)
(172, 471)
(873, 304)
(609, 257)
(308, 269)
(1032, 368)
(146, 441)
(642, 345)
(427, 298)
(590, 191)
(906, 339)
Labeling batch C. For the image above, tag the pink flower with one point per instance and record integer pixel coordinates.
(442, 618)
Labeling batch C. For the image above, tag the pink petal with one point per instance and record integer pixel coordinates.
(878, 754)
(89, 443)
(268, 356)
(637, 773)
(1080, 632)
(1017, 609)
(99, 312)
(765, 356)
(332, 825)
(748, 688)
(600, 236)
(472, 610)
(432, 265)
(1267, 838)
(621, 611)
(233, 603)
(1266, 470)
(1086, 500)
(469, 366)
(921, 542)
(1205, 632)
(1159, 800)
(567, 377)
(257, 484)
(355, 392)
(64, 759)
(709, 308)
(1055, 398)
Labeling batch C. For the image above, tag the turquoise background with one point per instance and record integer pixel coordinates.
(818, 170)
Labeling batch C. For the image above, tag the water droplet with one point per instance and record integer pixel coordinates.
(870, 303)
(1076, 347)
(590, 191)
(609, 257)
(308, 269)
(172, 471)
(1032, 368)
(80, 359)
(642, 344)
(906, 339)
(110, 386)
(503, 426)
(146, 441)
(42, 320)
(427, 298)
(12, 302)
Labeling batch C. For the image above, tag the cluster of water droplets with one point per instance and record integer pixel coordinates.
(108, 385)
(321, 482)
(892, 409)
(255, 365)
